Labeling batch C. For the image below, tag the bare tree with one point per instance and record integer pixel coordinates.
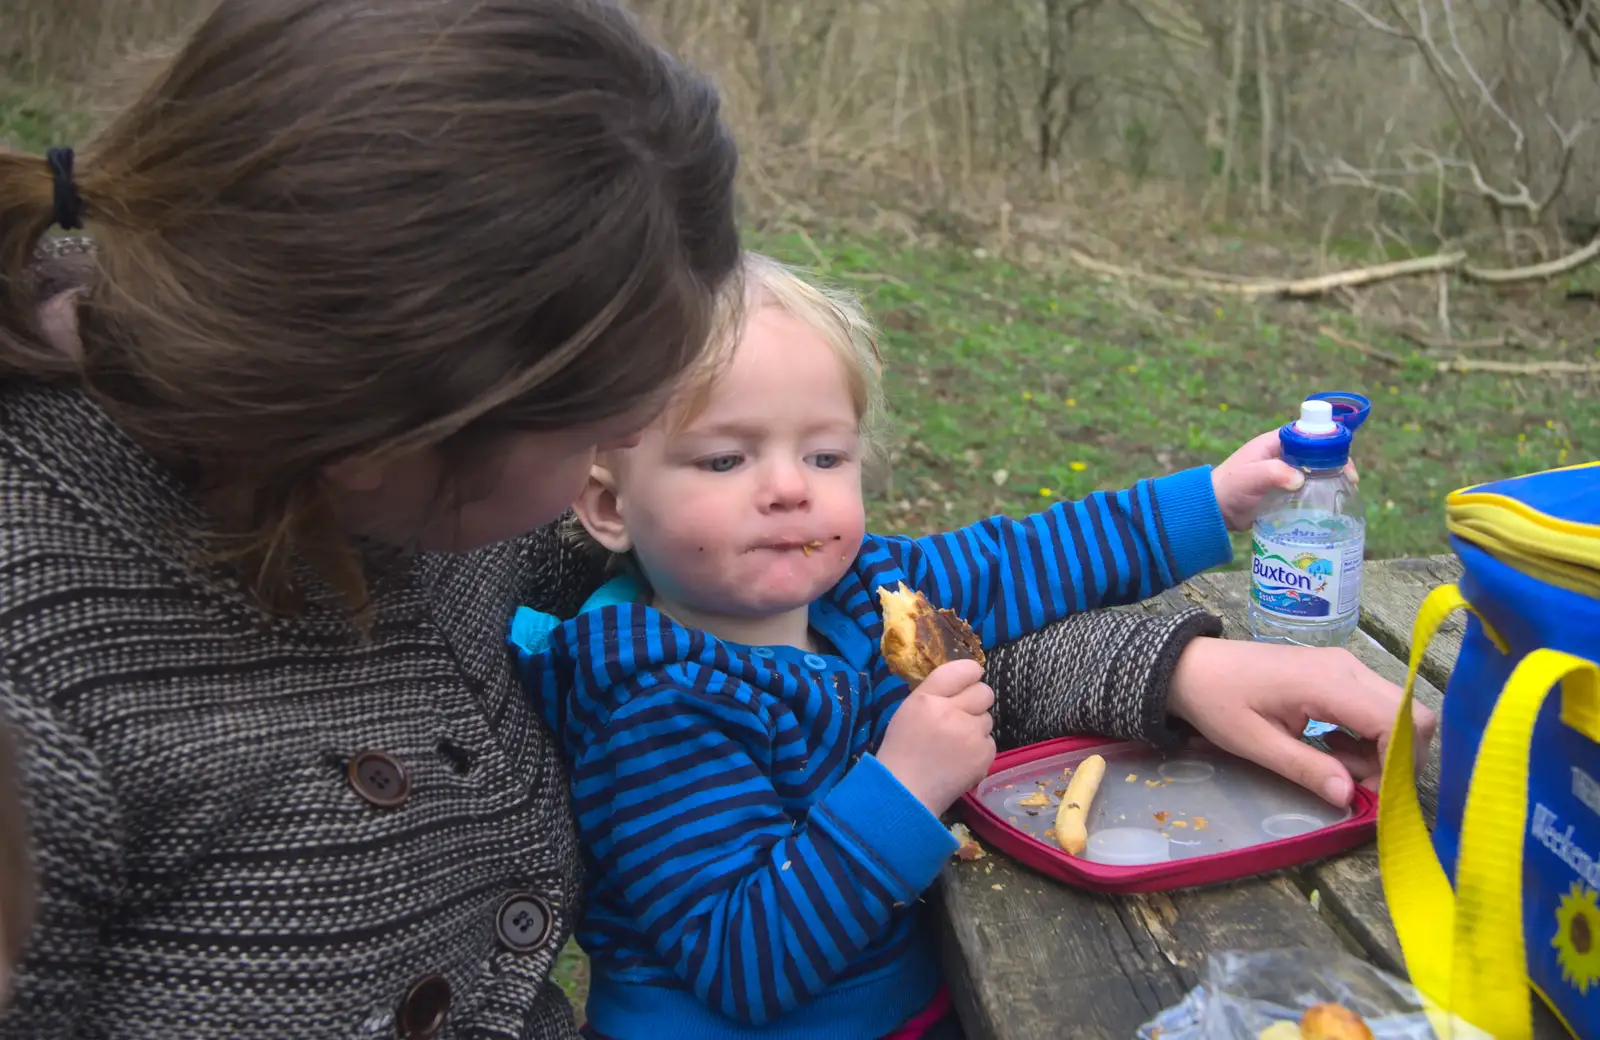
(1266, 75)
(1582, 19)
(1063, 95)
(1488, 131)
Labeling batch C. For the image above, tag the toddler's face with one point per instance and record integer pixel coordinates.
(754, 508)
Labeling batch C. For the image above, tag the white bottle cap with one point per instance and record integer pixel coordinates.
(1316, 417)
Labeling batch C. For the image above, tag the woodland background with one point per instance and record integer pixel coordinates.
(1108, 238)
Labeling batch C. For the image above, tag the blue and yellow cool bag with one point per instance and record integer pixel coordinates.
(1502, 894)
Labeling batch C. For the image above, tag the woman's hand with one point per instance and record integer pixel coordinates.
(1254, 700)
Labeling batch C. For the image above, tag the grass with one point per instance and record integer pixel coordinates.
(1011, 389)
(29, 121)
(572, 975)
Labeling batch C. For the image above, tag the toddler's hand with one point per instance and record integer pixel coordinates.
(1244, 479)
(940, 742)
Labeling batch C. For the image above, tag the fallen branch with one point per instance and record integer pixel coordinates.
(1089, 263)
(1322, 284)
(1303, 288)
(1200, 275)
(1514, 338)
(1533, 272)
(1519, 368)
(1523, 368)
(1295, 288)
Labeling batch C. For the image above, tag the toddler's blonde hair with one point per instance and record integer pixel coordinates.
(834, 314)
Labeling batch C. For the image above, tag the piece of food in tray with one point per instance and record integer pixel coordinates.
(917, 638)
(1332, 1022)
(1072, 818)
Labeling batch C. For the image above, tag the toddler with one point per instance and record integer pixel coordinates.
(758, 797)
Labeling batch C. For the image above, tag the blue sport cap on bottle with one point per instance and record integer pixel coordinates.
(1315, 440)
(1350, 409)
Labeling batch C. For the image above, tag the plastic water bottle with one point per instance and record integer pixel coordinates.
(1306, 554)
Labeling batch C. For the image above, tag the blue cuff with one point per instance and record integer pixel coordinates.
(890, 825)
(530, 631)
(1192, 521)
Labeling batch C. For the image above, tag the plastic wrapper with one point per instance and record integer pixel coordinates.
(1263, 996)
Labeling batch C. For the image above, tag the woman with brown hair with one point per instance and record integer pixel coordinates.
(280, 454)
(369, 283)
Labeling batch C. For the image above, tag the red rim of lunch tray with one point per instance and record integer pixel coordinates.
(1216, 868)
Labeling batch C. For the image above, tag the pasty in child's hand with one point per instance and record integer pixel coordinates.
(917, 638)
(1332, 1022)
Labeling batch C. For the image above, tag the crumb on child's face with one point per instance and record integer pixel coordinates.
(753, 508)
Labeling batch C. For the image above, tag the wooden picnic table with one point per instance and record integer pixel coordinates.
(1031, 958)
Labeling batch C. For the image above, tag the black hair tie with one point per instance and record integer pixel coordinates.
(68, 203)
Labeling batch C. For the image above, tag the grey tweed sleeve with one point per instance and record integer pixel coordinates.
(561, 574)
(1105, 672)
(77, 846)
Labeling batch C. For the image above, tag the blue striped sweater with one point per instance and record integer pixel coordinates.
(754, 870)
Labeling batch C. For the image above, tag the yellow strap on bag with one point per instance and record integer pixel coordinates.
(1421, 901)
(1464, 946)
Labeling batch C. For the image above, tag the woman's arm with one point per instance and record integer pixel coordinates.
(75, 832)
(1105, 671)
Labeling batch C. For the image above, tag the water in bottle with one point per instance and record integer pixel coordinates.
(1308, 544)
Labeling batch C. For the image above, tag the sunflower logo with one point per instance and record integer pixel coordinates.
(1577, 939)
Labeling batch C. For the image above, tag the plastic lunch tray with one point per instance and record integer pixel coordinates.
(1160, 821)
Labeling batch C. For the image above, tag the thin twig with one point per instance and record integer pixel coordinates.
(1505, 341)
(1333, 336)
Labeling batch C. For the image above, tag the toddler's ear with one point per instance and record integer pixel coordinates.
(600, 512)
